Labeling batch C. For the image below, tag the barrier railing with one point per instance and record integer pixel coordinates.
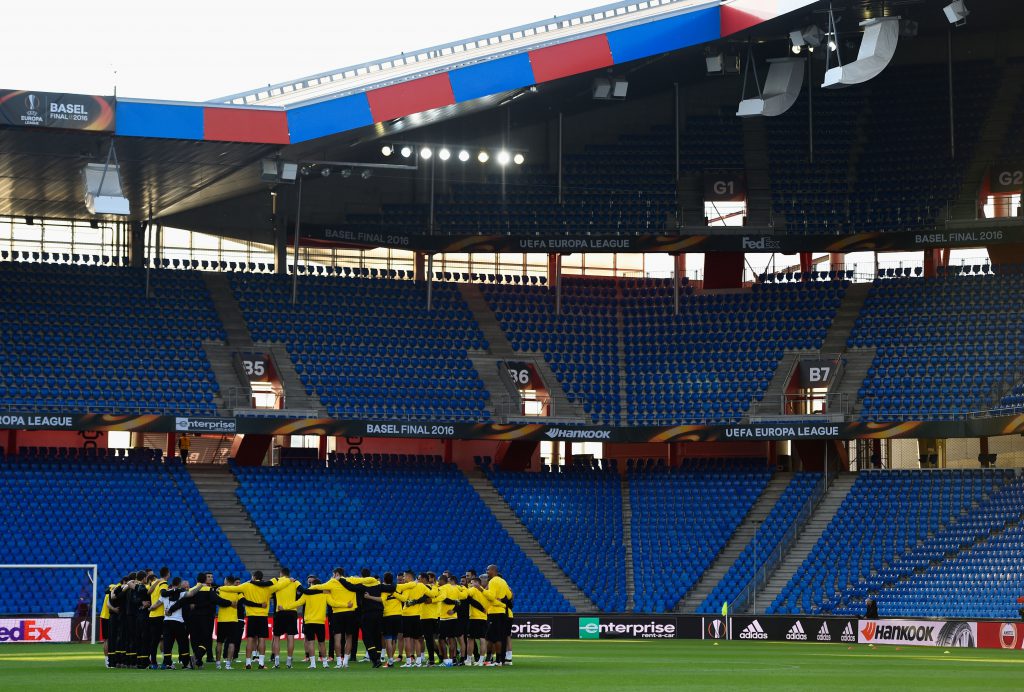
(767, 566)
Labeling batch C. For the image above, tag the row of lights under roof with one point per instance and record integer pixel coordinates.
(503, 157)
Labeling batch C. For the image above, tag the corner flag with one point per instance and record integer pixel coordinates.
(725, 608)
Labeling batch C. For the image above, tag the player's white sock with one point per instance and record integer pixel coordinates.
(277, 659)
(288, 661)
(248, 660)
(263, 659)
(508, 655)
(345, 660)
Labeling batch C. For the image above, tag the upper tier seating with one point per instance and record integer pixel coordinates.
(682, 518)
(879, 527)
(369, 348)
(386, 512)
(767, 539)
(84, 506)
(716, 357)
(576, 516)
(946, 346)
(887, 132)
(581, 344)
(88, 339)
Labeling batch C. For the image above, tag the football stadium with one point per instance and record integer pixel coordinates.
(661, 344)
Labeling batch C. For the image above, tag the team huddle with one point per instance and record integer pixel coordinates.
(408, 621)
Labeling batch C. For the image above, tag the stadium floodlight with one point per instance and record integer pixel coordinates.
(811, 35)
(518, 159)
(406, 152)
(797, 49)
(956, 12)
(832, 45)
(503, 158)
(387, 150)
(325, 172)
(444, 154)
(426, 153)
(345, 172)
(365, 175)
(483, 157)
(289, 171)
(463, 156)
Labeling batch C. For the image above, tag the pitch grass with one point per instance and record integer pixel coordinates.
(562, 665)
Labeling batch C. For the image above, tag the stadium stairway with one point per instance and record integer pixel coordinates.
(858, 360)
(621, 353)
(737, 542)
(992, 135)
(627, 542)
(296, 398)
(500, 349)
(808, 538)
(218, 486)
(756, 165)
(529, 545)
(770, 403)
(221, 355)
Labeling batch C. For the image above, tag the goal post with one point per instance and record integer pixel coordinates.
(93, 576)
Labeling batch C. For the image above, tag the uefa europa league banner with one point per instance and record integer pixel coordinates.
(52, 110)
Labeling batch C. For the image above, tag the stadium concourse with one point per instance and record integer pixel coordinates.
(529, 336)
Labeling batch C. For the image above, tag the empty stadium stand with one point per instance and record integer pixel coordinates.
(370, 348)
(682, 518)
(946, 346)
(718, 355)
(386, 512)
(766, 542)
(580, 344)
(82, 338)
(897, 524)
(97, 506)
(577, 517)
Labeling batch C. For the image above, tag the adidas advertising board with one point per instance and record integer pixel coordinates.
(958, 633)
(788, 628)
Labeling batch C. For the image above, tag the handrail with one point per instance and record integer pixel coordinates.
(761, 575)
(447, 55)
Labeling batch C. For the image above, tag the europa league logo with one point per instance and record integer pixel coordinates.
(32, 102)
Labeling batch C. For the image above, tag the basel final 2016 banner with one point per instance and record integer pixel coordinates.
(63, 111)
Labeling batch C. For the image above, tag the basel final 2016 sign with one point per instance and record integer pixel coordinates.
(64, 111)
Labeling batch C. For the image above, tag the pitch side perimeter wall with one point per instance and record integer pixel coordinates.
(974, 427)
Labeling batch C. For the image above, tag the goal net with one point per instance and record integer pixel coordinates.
(48, 603)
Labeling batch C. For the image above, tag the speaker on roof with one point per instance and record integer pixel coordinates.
(102, 193)
(781, 89)
(876, 50)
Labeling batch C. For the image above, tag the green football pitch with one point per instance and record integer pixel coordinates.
(562, 665)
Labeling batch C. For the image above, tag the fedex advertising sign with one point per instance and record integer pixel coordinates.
(42, 630)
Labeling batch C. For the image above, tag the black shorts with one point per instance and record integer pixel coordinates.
(256, 627)
(428, 627)
(499, 627)
(229, 632)
(449, 629)
(286, 622)
(314, 632)
(392, 626)
(104, 629)
(411, 626)
(344, 623)
(477, 629)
